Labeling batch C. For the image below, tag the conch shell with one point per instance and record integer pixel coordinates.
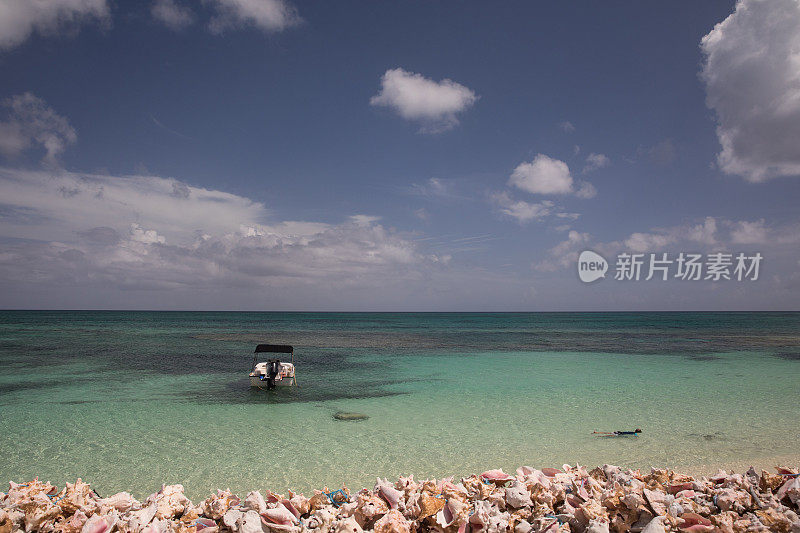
(392, 522)
(430, 504)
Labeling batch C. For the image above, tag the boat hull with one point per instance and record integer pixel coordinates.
(256, 381)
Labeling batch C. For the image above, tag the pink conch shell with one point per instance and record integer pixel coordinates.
(171, 501)
(453, 512)
(525, 471)
(679, 487)
(206, 525)
(217, 505)
(423, 504)
(255, 502)
(39, 511)
(231, 518)
(141, 518)
(407, 483)
(480, 517)
(388, 492)
(654, 526)
(580, 489)
(100, 524)
(291, 508)
(369, 506)
(496, 475)
(790, 489)
(517, 495)
(657, 501)
(299, 502)
(597, 526)
(526, 474)
(250, 522)
(694, 523)
(73, 525)
(77, 496)
(719, 477)
(122, 502)
(347, 525)
(392, 522)
(280, 515)
(320, 520)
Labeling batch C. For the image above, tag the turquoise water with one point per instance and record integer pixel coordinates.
(128, 400)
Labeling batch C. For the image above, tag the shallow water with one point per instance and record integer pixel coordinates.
(128, 400)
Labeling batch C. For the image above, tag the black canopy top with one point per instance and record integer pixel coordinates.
(274, 348)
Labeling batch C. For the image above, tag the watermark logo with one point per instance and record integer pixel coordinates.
(591, 266)
(718, 266)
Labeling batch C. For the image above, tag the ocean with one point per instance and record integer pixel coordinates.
(131, 400)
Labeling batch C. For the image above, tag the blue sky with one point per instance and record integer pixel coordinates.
(261, 154)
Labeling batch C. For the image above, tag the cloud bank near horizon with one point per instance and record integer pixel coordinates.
(159, 233)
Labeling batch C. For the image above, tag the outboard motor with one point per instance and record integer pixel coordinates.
(273, 369)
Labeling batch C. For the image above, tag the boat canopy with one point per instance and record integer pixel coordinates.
(274, 348)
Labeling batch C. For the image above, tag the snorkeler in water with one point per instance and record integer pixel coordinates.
(617, 433)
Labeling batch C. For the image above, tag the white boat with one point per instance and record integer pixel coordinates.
(272, 372)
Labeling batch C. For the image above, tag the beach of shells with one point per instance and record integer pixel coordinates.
(554, 500)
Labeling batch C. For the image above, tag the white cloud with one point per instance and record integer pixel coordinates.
(363, 220)
(566, 126)
(752, 78)
(414, 97)
(744, 232)
(146, 236)
(32, 122)
(267, 15)
(20, 18)
(520, 210)
(545, 175)
(433, 187)
(711, 234)
(648, 242)
(436, 188)
(13, 141)
(337, 255)
(663, 153)
(172, 14)
(151, 232)
(574, 238)
(66, 202)
(595, 161)
(565, 253)
(586, 190)
(704, 233)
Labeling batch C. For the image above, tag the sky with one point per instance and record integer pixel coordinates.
(396, 156)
